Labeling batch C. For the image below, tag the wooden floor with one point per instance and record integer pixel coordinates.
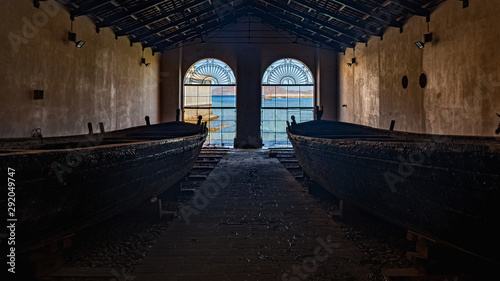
(251, 220)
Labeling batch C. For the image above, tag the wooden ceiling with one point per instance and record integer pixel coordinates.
(334, 24)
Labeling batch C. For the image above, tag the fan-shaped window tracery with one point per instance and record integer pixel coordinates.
(287, 72)
(210, 72)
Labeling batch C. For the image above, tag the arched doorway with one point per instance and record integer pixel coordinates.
(287, 89)
(210, 91)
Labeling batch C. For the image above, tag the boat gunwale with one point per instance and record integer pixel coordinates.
(398, 136)
(111, 145)
(96, 138)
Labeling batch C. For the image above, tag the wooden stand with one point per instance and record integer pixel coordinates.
(46, 259)
(348, 212)
(432, 260)
(154, 210)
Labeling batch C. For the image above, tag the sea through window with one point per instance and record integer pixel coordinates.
(210, 92)
(287, 89)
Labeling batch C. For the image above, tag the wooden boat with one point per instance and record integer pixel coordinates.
(443, 187)
(63, 184)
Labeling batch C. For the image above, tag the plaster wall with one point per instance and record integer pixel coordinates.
(461, 64)
(102, 82)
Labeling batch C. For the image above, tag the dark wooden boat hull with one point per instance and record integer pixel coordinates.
(445, 187)
(59, 191)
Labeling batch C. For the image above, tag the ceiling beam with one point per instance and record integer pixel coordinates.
(298, 30)
(413, 8)
(362, 30)
(300, 34)
(144, 36)
(207, 27)
(114, 19)
(88, 8)
(342, 31)
(187, 28)
(181, 9)
(369, 12)
(305, 26)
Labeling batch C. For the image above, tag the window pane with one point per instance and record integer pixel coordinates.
(287, 90)
(268, 114)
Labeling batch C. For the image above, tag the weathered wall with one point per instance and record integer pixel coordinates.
(462, 65)
(102, 82)
(252, 59)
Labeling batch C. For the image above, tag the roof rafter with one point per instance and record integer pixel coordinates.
(306, 26)
(150, 33)
(190, 27)
(413, 8)
(88, 8)
(112, 20)
(158, 18)
(361, 28)
(336, 24)
(369, 12)
(341, 31)
(206, 28)
(299, 30)
(290, 27)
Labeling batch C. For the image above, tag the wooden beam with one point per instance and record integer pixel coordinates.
(112, 20)
(413, 8)
(88, 8)
(157, 18)
(367, 11)
(358, 25)
(342, 31)
(158, 45)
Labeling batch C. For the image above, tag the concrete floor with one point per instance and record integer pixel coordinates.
(251, 220)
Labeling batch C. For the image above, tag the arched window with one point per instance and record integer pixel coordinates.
(287, 89)
(210, 91)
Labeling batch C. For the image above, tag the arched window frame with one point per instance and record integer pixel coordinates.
(208, 76)
(285, 76)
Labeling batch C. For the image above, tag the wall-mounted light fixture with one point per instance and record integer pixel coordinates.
(143, 59)
(427, 38)
(353, 61)
(72, 38)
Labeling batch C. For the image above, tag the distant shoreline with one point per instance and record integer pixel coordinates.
(292, 96)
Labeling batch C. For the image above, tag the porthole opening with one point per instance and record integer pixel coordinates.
(422, 80)
(405, 82)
